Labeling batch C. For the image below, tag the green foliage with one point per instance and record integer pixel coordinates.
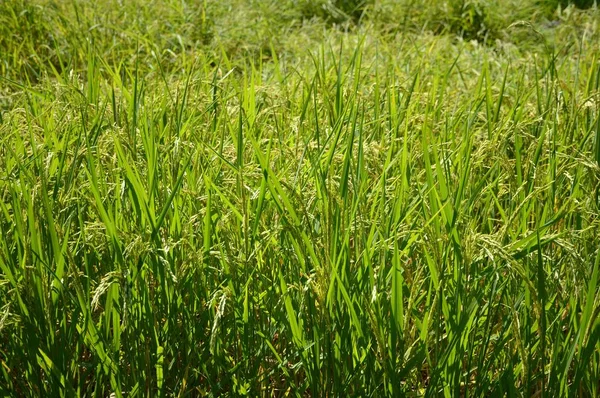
(214, 199)
(578, 3)
(550, 7)
(333, 11)
(471, 20)
(28, 41)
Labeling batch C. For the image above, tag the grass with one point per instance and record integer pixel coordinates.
(240, 198)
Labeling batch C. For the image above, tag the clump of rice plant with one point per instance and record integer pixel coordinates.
(321, 212)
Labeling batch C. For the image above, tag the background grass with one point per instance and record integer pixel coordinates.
(329, 198)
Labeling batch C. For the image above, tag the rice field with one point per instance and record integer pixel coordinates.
(299, 198)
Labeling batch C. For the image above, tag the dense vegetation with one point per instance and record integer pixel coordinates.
(299, 198)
